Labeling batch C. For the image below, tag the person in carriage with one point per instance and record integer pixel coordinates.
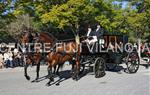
(94, 36)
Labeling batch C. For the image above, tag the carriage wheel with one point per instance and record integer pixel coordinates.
(133, 62)
(99, 67)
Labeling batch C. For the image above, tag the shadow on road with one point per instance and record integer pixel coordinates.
(64, 75)
(117, 69)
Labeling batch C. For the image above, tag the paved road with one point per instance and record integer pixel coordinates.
(12, 82)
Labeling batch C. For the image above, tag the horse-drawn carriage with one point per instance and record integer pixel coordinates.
(112, 49)
(105, 50)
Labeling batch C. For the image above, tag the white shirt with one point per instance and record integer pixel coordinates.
(94, 37)
(89, 31)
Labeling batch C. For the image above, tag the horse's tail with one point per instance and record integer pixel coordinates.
(61, 63)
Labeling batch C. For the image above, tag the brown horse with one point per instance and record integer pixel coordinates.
(48, 41)
(62, 52)
(31, 57)
(54, 58)
(57, 59)
(35, 57)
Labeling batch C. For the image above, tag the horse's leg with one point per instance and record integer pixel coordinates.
(73, 70)
(54, 69)
(57, 71)
(77, 70)
(38, 70)
(50, 74)
(72, 64)
(25, 71)
(27, 61)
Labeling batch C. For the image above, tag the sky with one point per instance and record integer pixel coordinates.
(124, 3)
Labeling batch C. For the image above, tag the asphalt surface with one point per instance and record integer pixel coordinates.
(13, 82)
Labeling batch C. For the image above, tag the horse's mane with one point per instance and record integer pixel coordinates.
(65, 40)
(49, 35)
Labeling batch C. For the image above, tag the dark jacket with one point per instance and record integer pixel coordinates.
(98, 33)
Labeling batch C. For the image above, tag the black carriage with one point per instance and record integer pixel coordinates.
(100, 53)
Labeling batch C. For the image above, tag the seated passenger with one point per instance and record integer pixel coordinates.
(94, 36)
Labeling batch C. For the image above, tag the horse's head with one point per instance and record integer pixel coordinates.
(30, 37)
(26, 38)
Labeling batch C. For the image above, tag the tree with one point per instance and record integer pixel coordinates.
(139, 21)
(17, 26)
(5, 18)
(70, 14)
(35, 9)
(62, 14)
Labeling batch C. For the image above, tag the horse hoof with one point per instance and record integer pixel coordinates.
(73, 78)
(77, 78)
(33, 81)
(27, 77)
(57, 84)
(48, 84)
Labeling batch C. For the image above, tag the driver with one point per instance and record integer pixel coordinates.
(94, 36)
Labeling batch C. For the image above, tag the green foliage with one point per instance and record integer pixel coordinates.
(139, 21)
(51, 14)
(16, 27)
(70, 14)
